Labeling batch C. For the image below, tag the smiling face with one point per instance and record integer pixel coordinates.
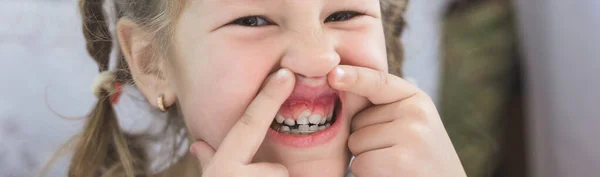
(224, 49)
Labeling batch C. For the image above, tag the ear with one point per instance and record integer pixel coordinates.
(147, 69)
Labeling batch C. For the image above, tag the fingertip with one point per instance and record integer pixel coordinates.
(338, 78)
(285, 79)
(283, 75)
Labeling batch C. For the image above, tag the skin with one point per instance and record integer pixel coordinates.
(219, 77)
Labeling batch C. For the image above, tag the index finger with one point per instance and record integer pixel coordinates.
(248, 133)
(377, 86)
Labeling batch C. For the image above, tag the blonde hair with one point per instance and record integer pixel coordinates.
(103, 149)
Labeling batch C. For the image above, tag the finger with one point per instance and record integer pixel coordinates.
(373, 115)
(377, 86)
(243, 140)
(417, 108)
(379, 163)
(373, 137)
(265, 169)
(396, 133)
(203, 152)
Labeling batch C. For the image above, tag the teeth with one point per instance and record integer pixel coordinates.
(314, 119)
(322, 127)
(323, 121)
(285, 128)
(303, 128)
(279, 118)
(303, 117)
(302, 120)
(305, 123)
(290, 122)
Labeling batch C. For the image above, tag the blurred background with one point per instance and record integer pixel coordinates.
(516, 82)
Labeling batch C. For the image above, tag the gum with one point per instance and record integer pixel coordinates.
(292, 108)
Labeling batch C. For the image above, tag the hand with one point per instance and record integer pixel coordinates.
(234, 156)
(401, 134)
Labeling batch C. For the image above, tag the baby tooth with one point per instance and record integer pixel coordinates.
(285, 128)
(313, 128)
(322, 121)
(279, 118)
(327, 125)
(322, 127)
(295, 131)
(303, 128)
(302, 120)
(314, 119)
(330, 115)
(290, 122)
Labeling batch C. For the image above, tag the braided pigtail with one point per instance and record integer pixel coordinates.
(102, 149)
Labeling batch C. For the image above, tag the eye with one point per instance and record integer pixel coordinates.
(251, 21)
(342, 16)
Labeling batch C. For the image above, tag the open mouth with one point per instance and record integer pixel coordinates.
(311, 116)
(305, 117)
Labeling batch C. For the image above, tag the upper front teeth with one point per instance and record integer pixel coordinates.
(279, 118)
(305, 118)
(314, 119)
(290, 122)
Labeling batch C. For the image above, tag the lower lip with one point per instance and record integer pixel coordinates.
(311, 140)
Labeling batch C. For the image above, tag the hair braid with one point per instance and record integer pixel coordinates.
(101, 148)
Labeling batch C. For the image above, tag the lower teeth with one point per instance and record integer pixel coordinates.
(301, 129)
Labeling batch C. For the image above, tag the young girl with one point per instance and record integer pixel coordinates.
(265, 88)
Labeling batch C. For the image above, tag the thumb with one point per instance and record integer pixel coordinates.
(203, 152)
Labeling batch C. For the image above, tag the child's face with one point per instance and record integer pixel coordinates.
(220, 66)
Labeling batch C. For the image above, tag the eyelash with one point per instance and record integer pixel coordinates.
(250, 21)
(352, 14)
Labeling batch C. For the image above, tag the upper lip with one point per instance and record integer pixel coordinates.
(311, 88)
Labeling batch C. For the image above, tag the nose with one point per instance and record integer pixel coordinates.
(311, 54)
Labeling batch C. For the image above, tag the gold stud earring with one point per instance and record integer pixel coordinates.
(160, 103)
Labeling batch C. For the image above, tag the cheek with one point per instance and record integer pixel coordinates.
(217, 79)
(364, 47)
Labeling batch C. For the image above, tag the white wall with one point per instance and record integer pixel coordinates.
(562, 48)
(41, 54)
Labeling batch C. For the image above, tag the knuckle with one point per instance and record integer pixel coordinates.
(382, 80)
(268, 95)
(247, 119)
(420, 131)
(405, 157)
(418, 108)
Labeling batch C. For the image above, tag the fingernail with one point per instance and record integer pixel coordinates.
(339, 74)
(282, 74)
